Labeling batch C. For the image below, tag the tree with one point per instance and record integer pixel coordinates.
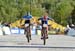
(62, 12)
(73, 16)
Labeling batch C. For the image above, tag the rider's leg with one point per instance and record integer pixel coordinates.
(30, 34)
(46, 22)
(28, 21)
(30, 31)
(42, 33)
(47, 32)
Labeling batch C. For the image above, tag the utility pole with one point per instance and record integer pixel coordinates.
(30, 6)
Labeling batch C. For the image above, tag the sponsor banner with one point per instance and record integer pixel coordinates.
(6, 30)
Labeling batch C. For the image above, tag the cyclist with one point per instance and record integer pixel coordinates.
(27, 18)
(44, 20)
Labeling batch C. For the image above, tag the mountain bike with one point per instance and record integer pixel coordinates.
(44, 31)
(27, 31)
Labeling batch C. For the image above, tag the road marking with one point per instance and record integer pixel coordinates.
(35, 46)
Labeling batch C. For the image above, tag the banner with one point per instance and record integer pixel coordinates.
(6, 30)
(15, 31)
(1, 32)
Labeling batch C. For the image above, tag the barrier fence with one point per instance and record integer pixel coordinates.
(8, 31)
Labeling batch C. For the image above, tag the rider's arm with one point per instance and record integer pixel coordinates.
(40, 19)
(50, 19)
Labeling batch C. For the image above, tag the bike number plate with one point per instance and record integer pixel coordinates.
(26, 25)
(44, 25)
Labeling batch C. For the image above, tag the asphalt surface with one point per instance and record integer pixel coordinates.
(54, 43)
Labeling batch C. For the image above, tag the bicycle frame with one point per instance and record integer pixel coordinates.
(44, 30)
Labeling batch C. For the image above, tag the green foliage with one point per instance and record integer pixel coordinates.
(60, 10)
(63, 11)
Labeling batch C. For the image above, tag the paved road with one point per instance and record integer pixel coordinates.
(54, 43)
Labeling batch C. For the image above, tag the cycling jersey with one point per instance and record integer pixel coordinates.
(45, 21)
